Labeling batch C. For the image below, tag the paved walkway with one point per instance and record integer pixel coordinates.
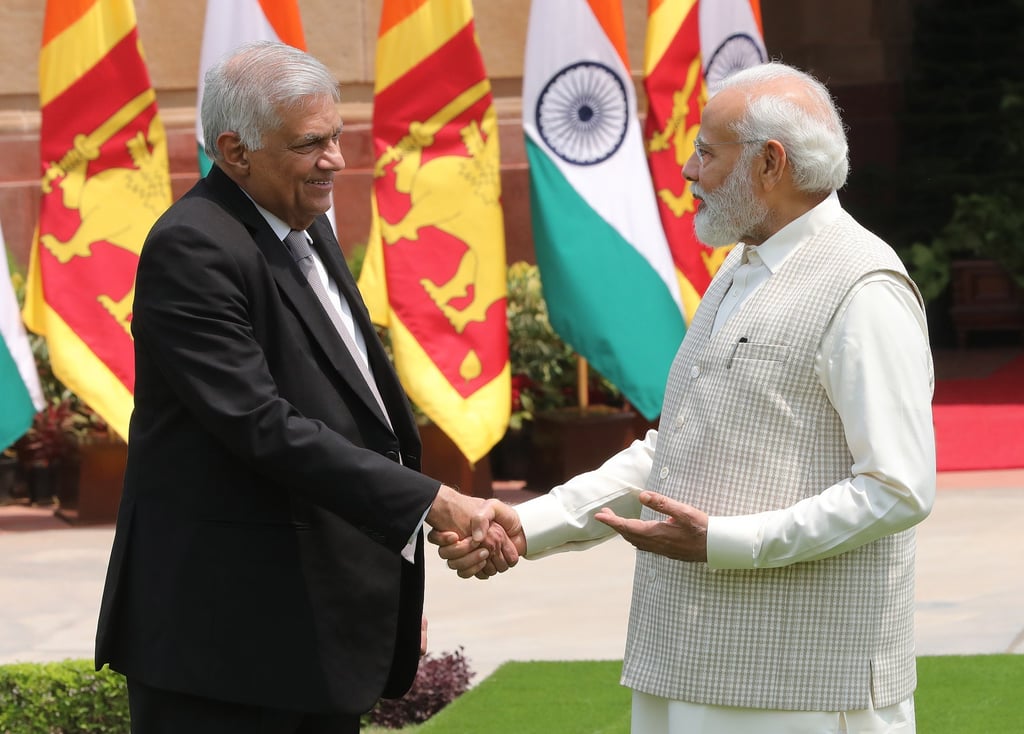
(970, 590)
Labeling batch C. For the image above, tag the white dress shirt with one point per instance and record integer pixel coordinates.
(337, 300)
(341, 304)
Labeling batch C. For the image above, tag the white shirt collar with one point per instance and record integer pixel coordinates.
(277, 224)
(774, 250)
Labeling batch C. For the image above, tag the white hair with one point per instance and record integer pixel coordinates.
(246, 92)
(808, 125)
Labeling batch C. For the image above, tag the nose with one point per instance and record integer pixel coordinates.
(332, 159)
(691, 169)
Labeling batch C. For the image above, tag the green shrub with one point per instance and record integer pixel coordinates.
(68, 697)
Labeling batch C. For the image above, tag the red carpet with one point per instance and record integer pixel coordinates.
(979, 422)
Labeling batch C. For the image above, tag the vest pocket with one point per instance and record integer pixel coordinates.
(752, 351)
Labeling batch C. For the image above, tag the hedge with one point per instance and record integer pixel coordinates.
(68, 697)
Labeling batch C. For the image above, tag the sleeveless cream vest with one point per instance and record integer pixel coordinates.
(745, 428)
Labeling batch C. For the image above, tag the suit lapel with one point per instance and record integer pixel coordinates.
(380, 365)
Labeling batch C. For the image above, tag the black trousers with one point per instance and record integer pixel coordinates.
(156, 711)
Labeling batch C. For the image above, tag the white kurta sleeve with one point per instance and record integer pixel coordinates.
(563, 519)
(875, 365)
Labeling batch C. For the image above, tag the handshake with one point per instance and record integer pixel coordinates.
(477, 537)
(483, 537)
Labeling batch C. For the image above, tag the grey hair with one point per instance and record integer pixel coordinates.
(809, 126)
(247, 91)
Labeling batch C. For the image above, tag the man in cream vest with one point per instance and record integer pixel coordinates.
(773, 509)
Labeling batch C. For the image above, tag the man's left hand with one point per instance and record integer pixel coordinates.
(682, 536)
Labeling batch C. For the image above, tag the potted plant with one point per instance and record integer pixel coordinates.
(42, 451)
(69, 454)
(980, 253)
(92, 476)
(565, 418)
(960, 183)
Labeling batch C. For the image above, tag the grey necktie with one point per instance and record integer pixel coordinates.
(302, 253)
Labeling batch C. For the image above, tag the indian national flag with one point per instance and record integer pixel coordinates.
(230, 23)
(434, 272)
(19, 380)
(607, 273)
(104, 182)
(690, 45)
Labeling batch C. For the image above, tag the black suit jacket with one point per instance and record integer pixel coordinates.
(257, 551)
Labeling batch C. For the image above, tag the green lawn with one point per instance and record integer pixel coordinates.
(981, 694)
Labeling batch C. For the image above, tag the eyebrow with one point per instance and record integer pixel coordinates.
(316, 137)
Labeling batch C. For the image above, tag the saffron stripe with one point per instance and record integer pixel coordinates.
(82, 45)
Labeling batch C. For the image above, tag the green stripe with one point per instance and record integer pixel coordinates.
(16, 416)
(603, 296)
(205, 164)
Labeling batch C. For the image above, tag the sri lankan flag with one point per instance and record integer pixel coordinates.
(690, 45)
(104, 182)
(434, 272)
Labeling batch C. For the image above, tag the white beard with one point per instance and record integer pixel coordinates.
(730, 211)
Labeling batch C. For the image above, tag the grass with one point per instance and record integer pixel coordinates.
(975, 694)
(979, 694)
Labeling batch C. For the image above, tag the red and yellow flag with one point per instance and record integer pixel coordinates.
(434, 273)
(104, 182)
(690, 44)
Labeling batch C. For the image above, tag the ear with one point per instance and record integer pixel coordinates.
(234, 155)
(773, 166)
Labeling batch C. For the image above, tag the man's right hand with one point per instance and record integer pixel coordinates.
(494, 527)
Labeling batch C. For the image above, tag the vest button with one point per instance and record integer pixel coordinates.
(664, 472)
(679, 420)
(695, 372)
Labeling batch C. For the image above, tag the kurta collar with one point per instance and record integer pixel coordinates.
(776, 249)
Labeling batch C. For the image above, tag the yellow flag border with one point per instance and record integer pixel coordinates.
(73, 362)
(474, 423)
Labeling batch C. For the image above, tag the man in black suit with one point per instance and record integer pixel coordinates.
(267, 568)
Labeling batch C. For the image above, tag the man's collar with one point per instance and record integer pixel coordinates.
(774, 250)
(276, 223)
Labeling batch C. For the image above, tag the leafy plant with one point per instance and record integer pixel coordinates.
(961, 173)
(984, 225)
(544, 375)
(62, 698)
(543, 366)
(439, 681)
(66, 421)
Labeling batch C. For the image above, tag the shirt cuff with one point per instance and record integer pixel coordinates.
(543, 522)
(409, 551)
(733, 541)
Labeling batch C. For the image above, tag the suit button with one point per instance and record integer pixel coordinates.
(393, 455)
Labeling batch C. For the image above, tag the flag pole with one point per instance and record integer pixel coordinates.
(582, 393)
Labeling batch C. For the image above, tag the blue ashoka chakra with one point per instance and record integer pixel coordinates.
(736, 52)
(582, 113)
